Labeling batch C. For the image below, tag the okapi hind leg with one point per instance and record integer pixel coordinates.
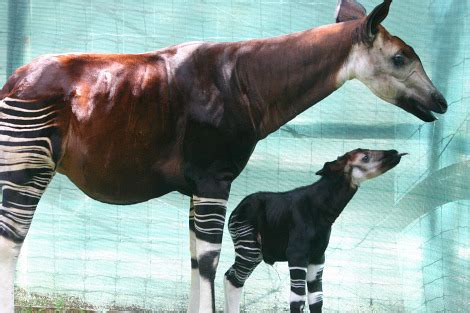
(28, 136)
(247, 257)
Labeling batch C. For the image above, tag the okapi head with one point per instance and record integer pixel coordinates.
(361, 164)
(386, 64)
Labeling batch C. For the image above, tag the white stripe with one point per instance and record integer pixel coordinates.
(295, 297)
(208, 201)
(313, 270)
(315, 297)
(8, 116)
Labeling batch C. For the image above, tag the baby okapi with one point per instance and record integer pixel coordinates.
(295, 226)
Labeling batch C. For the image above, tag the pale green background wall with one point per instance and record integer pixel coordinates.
(403, 243)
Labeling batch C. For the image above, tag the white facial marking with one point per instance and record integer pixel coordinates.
(364, 170)
(374, 68)
(358, 176)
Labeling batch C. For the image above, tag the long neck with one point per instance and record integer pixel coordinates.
(331, 195)
(283, 76)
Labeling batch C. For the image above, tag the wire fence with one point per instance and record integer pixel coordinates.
(402, 244)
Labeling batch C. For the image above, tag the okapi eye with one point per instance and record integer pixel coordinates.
(398, 60)
(365, 158)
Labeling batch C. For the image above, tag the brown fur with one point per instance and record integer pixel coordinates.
(124, 133)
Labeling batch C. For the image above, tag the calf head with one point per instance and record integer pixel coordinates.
(361, 164)
(386, 64)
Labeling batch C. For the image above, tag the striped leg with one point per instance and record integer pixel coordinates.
(297, 287)
(209, 219)
(194, 295)
(247, 257)
(297, 258)
(27, 131)
(314, 285)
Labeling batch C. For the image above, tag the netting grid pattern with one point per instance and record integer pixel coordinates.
(402, 244)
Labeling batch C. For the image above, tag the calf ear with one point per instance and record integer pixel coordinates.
(332, 167)
(375, 18)
(322, 172)
(348, 10)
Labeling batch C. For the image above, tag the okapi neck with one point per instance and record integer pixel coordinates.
(337, 191)
(283, 76)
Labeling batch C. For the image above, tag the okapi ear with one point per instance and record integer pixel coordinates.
(332, 167)
(376, 17)
(348, 10)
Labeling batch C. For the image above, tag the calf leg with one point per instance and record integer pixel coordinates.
(297, 286)
(314, 284)
(297, 258)
(247, 257)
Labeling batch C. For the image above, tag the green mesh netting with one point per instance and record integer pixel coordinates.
(402, 244)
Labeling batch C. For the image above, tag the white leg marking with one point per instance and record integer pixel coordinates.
(9, 252)
(232, 297)
(194, 293)
(315, 297)
(208, 201)
(312, 273)
(313, 270)
(205, 288)
(295, 297)
(297, 268)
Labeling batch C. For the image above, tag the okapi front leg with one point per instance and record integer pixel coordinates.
(209, 219)
(297, 287)
(297, 258)
(314, 285)
(194, 293)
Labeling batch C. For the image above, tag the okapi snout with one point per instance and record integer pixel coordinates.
(439, 102)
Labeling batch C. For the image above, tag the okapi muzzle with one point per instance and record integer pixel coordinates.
(421, 97)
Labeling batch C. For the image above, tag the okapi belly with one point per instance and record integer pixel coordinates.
(123, 178)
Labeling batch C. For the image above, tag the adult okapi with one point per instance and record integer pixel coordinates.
(126, 128)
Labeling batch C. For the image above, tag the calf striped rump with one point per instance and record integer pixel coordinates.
(28, 141)
(247, 251)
